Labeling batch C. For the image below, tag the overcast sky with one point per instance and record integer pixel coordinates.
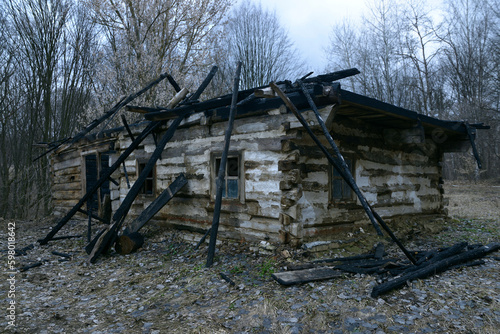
(309, 23)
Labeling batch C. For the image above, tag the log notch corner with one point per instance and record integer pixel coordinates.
(291, 190)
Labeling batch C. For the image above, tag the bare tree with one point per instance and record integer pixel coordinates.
(448, 69)
(255, 37)
(471, 65)
(46, 87)
(141, 39)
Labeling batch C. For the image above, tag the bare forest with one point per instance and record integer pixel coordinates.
(65, 62)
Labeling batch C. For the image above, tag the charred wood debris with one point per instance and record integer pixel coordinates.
(296, 96)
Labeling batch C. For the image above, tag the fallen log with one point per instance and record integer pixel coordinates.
(128, 243)
(434, 268)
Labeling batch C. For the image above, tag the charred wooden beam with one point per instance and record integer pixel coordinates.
(117, 107)
(471, 133)
(339, 163)
(173, 83)
(92, 243)
(227, 279)
(435, 268)
(99, 182)
(202, 240)
(222, 168)
(23, 251)
(29, 266)
(334, 162)
(66, 237)
(334, 76)
(63, 141)
(156, 205)
(125, 124)
(106, 240)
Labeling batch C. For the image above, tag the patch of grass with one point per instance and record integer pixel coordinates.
(237, 270)
(267, 268)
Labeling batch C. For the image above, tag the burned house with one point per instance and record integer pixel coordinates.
(278, 184)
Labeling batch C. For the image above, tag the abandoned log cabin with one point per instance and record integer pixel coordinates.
(278, 184)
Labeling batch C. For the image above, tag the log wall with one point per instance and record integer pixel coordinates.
(396, 178)
(68, 174)
(285, 190)
(255, 216)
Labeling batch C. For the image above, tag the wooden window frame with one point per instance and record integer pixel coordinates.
(348, 196)
(98, 155)
(217, 156)
(149, 187)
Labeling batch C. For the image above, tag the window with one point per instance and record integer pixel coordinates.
(148, 188)
(340, 190)
(232, 184)
(96, 165)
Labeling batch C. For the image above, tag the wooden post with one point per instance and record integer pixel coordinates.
(343, 168)
(89, 224)
(471, 133)
(222, 169)
(173, 83)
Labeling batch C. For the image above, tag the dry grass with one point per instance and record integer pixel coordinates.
(473, 200)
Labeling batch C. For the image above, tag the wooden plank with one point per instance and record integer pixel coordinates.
(156, 205)
(305, 275)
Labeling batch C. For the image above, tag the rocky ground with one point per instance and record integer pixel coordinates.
(165, 287)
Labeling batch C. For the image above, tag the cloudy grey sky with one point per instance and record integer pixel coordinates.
(309, 23)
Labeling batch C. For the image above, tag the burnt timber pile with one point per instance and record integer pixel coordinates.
(288, 162)
(396, 272)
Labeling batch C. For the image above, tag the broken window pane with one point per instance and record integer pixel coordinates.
(230, 187)
(232, 166)
(149, 183)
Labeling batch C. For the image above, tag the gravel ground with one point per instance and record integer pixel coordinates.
(165, 288)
